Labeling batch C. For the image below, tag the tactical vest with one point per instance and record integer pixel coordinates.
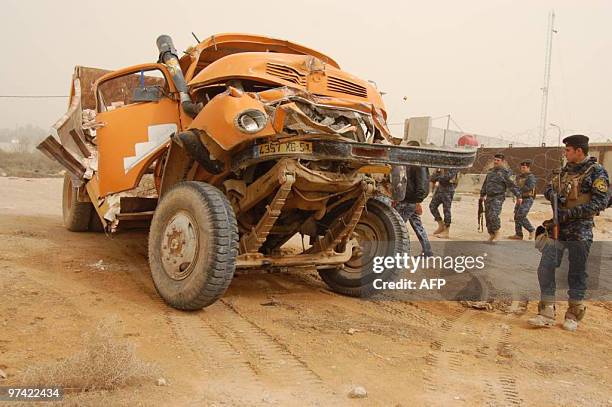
(520, 182)
(453, 180)
(570, 187)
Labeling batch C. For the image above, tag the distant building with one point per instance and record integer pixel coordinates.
(11, 146)
(420, 129)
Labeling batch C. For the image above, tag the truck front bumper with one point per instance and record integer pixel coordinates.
(362, 154)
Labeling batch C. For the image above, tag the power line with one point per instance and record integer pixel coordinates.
(456, 124)
(33, 96)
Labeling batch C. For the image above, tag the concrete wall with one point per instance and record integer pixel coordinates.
(603, 153)
(436, 137)
(470, 183)
(420, 129)
(417, 128)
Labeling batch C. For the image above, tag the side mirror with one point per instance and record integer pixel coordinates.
(147, 94)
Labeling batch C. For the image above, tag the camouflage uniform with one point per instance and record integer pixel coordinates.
(447, 182)
(526, 184)
(408, 212)
(417, 189)
(494, 188)
(577, 206)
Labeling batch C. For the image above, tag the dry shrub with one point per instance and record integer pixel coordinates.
(28, 164)
(104, 363)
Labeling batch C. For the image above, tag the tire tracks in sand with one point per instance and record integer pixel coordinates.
(225, 343)
(450, 373)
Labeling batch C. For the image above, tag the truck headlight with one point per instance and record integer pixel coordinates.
(251, 121)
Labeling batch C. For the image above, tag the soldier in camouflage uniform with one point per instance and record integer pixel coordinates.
(446, 181)
(493, 193)
(582, 188)
(526, 182)
(417, 189)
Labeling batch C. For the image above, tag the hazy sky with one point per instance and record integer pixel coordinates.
(482, 61)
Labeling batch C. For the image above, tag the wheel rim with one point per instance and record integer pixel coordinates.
(373, 241)
(180, 246)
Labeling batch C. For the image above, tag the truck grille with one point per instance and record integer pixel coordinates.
(286, 73)
(335, 84)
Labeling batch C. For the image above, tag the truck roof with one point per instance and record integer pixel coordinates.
(220, 45)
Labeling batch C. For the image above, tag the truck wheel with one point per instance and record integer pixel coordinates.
(193, 244)
(76, 214)
(381, 232)
(95, 224)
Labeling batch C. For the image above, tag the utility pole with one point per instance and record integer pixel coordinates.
(446, 130)
(559, 131)
(547, 63)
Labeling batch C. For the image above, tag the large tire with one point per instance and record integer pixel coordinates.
(76, 214)
(95, 224)
(381, 232)
(193, 244)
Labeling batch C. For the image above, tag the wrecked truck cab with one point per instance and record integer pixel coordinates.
(230, 151)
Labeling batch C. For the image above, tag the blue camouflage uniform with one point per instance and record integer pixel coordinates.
(494, 188)
(526, 184)
(577, 207)
(408, 212)
(417, 189)
(447, 183)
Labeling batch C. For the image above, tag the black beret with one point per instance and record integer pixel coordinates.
(499, 155)
(526, 162)
(576, 140)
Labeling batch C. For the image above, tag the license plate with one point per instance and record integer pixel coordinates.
(288, 147)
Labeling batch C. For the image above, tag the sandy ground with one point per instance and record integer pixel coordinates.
(310, 347)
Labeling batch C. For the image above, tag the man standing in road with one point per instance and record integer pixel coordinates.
(526, 182)
(445, 182)
(493, 193)
(417, 189)
(581, 191)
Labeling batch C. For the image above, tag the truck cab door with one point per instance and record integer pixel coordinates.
(138, 115)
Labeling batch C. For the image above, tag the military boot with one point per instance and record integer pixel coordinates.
(440, 228)
(444, 233)
(574, 314)
(531, 235)
(515, 237)
(546, 315)
(493, 236)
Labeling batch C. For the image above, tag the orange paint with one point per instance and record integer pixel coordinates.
(290, 69)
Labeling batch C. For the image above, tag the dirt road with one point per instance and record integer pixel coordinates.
(279, 339)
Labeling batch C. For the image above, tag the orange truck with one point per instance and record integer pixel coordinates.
(228, 152)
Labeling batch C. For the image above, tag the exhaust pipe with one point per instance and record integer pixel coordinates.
(169, 57)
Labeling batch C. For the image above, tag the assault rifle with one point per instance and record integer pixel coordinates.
(554, 202)
(481, 212)
(555, 220)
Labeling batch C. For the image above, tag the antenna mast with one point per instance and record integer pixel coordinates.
(547, 63)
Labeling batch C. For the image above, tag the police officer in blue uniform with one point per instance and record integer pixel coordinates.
(582, 188)
(417, 189)
(526, 182)
(493, 193)
(445, 182)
